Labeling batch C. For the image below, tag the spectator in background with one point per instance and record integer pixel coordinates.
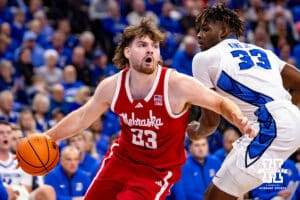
(25, 67)
(101, 140)
(230, 135)
(5, 28)
(192, 9)
(4, 51)
(16, 136)
(57, 99)
(281, 32)
(256, 15)
(56, 115)
(26, 122)
(65, 53)
(40, 108)
(154, 6)
(36, 27)
(67, 179)
(262, 38)
(46, 31)
(18, 27)
(90, 144)
(168, 48)
(197, 172)
(81, 65)
(138, 12)
(169, 19)
(64, 26)
(81, 97)
(182, 60)
(50, 72)
(38, 85)
(87, 163)
(33, 7)
(7, 112)
(99, 11)
(100, 68)
(6, 14)
(114, 26)
(29, 41)
(87, 42)
(285, 54)
(7, 80)
(70, 83)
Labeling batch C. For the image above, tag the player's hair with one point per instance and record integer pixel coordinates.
(222, 14)
(145, 28)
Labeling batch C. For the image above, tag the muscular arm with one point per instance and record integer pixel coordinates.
(191, 91)
(291, 81)
(81, 118)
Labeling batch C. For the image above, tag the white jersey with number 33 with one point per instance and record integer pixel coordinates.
(242, 72)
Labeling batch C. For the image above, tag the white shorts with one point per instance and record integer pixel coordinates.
(235, 178)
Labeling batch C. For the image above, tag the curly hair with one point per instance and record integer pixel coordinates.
(222, 14)
(145, 28)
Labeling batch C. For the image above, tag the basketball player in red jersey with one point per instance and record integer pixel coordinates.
(152, 103)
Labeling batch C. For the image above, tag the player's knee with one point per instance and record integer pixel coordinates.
(45, 192)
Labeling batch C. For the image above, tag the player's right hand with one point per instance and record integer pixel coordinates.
(245, 126)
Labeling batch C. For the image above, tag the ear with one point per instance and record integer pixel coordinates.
(126, 52)
(224, 31)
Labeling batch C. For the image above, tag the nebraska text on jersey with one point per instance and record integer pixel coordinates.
(151, 121)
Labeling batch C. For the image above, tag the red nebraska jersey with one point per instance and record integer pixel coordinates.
(150, 133)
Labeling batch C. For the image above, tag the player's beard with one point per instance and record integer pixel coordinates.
(144, 67)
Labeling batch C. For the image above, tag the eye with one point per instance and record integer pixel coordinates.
(204, 29)
(156, 46)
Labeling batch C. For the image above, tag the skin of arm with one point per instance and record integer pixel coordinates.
(83, 117)
(291, 81)
(206, 125)
(189, 90)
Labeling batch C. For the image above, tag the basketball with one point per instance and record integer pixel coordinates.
(37, 154)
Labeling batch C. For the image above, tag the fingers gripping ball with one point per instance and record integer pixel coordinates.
(37, 154)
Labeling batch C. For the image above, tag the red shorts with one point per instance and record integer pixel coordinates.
(119, 179)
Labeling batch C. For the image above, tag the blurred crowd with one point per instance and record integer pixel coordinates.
(53, 53)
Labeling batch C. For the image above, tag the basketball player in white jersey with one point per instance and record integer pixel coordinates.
(262, 85)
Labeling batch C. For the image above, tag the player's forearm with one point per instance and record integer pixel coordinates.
(68, 126)
(230, 111)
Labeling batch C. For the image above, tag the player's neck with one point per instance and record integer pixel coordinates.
(140, 84)
(4, 155)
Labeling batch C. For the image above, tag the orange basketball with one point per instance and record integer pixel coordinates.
(37, 154)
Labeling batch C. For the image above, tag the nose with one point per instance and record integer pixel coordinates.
(199, 35)
(150, 51)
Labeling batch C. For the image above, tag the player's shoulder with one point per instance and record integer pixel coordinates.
(110, 82)
(207, 55)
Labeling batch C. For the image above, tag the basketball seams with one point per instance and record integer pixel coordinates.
(36, 154)
(31, 154)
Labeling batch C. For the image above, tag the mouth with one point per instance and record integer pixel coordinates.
(149, 60)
